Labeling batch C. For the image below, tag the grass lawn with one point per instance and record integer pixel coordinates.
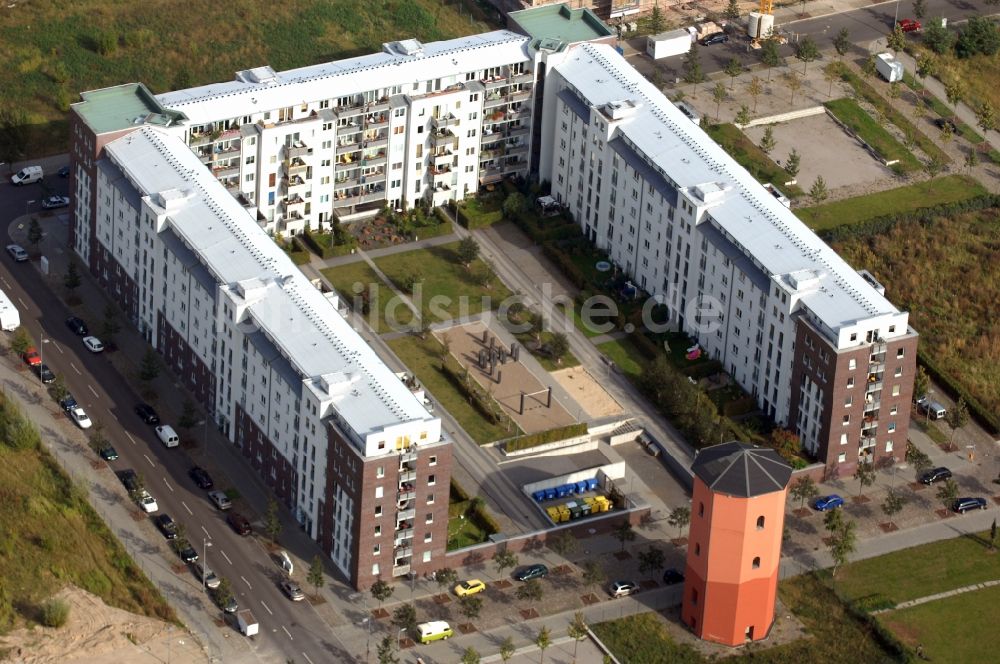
(420, 356)
(946, 273)
(947, 189)
(954, 629)
(865, 126)
(568, 361)
(933, 431)
(56, 49)
(344, 278)
(52, 536)
(643, 639)
(752, 158)
(452, 287)
(624, 354)
(578, 322)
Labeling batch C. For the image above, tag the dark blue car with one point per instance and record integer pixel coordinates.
(828, 502)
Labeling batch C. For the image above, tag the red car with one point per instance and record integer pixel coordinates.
(31, 357)
(908, 25)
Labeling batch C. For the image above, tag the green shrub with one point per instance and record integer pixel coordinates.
(530, 440)
(54, 613)
(874, 602)
(885, 223)
(485, 520)
(985, 417)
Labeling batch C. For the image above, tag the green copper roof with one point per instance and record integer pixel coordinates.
(559, 22)
(123, 106)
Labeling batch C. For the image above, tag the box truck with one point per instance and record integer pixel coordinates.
(248, 624)
(666, 44)
(889, 67)
(9, 316)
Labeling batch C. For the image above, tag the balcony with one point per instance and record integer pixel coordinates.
(379, 106)
(401, 570)
(298, 150)
(375, 121)
(873, 387)
(445, 137)
(525, 77)
(514, 166)
(519, 95)
(206, 157)
(869, 424)
(373, 178)
(402, 536)
(517, 149)
(494, 100)
(406, 495)
(444, 122)
(373, 196)
(516, 132)
(296, 167)
(491, 175)
(405, 515)
(876, 368)
(373, 158)
(441, 172)
(346, 183)
(378, 142)
(294, 185)
(407, 456)
(492, 137)
(348, 145)
(493, 83)
(348, 129)
(407, 476)
(403, 552)
(226, 171)
(294, 205)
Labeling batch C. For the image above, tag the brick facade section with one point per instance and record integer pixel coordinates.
(194, 374)
(271, 466)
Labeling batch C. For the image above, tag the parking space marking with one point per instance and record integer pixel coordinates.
(168, 485)
(288, 633)
(93, 391)
(209, 536)
(266, 607)
(246, 582)
(130, 438)
(150, 461)
(75, 369)
(187, 508)
(225, 556)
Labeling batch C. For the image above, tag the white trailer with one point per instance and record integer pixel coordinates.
(889, 67)
(666, 44)
(248, 624)
(10, 318)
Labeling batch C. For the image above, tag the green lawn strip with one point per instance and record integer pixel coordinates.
(345, 279)
(643, 639)
(880, 140)
(464, 532)
(450, 285)
(625, 355)
(928, 193)
(932, 431)
(752, 158)
(922, 570)
(961, 628)
(420, 356)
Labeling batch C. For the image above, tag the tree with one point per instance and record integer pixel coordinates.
(315, 576)
(223, 593)
(804, 489)
(755, 88)
(507, 649)
(792, 163)
(505, 559)
(679, 518)
(693, 73)
(947, 492)
(865, 475)
(921, 382)
(272, 524)
(818, 191)
(558, 346)
(769, 55)
(651, 560)
(35, 233)
(593, 573)
(577, 631)
(937, 37)
(21, 341)
(986, 116)
(843, 543)
(980, 36)
(189, 415)
(868, 68)
(624, 533)
(111, 325)
(806, 51)
(895, 90)
(830, 76)
(934, 166)
(733, 69)
(514, 205)
(732, 10)
(917, 458)
(387, 651)
(149, 367)
(14, 123)
(993, 536)
(833, 520)
(468, 251)
(656, 19)
(767, 142)
(563, 544)
(954, 91)
(926, 65)
(446, 576)
(742, 118)
(957, 417)
(971, 161)
(381, 591)
(896, 40)
(71, 280)
(470, 656)
(893, 504)
(794, 84)
(470, 606)
(919, 9)
(531, 590)
(718, 96)
(405, 617)
(842, 42)
(543, 641)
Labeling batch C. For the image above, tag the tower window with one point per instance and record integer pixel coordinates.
(760, 523)
(756, 562)
(701, 509)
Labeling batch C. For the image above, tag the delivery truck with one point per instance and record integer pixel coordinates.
(889, 67)
(667, 44)
(10, 319)
(248, 624)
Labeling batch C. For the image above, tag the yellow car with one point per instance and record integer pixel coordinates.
(466, 588)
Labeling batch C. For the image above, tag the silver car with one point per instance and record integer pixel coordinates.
(220, 499)
(293, 590)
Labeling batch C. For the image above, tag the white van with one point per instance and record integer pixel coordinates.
(27, 175)
(433, 631)
(168, 436)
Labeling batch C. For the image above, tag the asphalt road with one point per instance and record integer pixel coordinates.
(289, 631)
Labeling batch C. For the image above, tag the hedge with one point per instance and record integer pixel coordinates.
(530, 440)
(565, 265)
(486, 520)
(298, 253)
(323, 250)
(985, 417)
(885, 223)
(433, 230)
(473, 220)
(479, 398)
(702, 369)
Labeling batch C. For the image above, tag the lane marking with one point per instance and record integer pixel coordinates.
(23, 304)
(187, 508)
(246, 582)
(75, 369)
(150, 461)
(307, 658)
(112, 414)
(92, 391)
(168, 485)
(225, 556)
(266, 607)
(131, 439)
(59, 349)
(207, 534)
(288, 633)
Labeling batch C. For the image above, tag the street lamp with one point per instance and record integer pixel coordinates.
(368, 642)
(399, 637)
(26, 204)
(204, 563)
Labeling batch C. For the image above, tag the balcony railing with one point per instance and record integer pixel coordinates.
(405, 515)
(407, 476)
(407, 456)
(373, 196)
(403, 551)
(226, 171)
(378, 176)
(403, 535)
(345, 147)
(297, 150)
(444, 122)
(401, 570)
(866, 442)
(296, 166)
(346, 183)
(348, 129)
(490, 176)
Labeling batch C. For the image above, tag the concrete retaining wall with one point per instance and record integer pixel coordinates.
(784, 117)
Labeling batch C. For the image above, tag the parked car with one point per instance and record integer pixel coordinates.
(941, 123)
(932, 409)
(238, 523)
(31, 357)
(535, 571)
(963, 505)
(146, 502)
(108, 452)
(44, 373)
(830, 502)
(93, 344)
(166, 525)
(80, 417)
(17, 252)
(470, 587)
(229, 606)
(908, 24)
(147, 414)
(128, 479)
(292, 590)
(77, 325)
(220, 499)
(68, 403)
(53, 202)
(623, 588)
(672, 577)
(201, 478)
(206, 575)
(935, 475)
(716, 38)
(63, 172)
(185, 551)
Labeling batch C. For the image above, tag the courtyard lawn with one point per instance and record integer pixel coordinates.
(643, 639)
(861, 123)
(456, 292)
(421, 357)
(961, 628)
(947, 189)
(382, 301)
(922, 570)
(625, 355)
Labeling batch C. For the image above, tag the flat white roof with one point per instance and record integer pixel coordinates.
(304, 326)
(261, 89)
(753, 218)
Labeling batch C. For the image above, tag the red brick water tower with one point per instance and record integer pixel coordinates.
(734, 546)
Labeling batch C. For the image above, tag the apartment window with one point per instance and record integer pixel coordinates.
(427, 537)
(842, 457)
(854, 336)
(893, 410)
(888, 446)
(756, 562)
(848, 401)
(899, 353)
(843, 439)
(378, 531)
(850, 381)
(852, 364)
(895, 390)
(378, 510)
(429, 518)
(378, 492)
(427, 556)
(375, 571)
(760, 523)
(847, 419)
(431, 480)
(898, 372)
(701, 509)
(380, 472)
(430, 499)
(377, 549)
(433, 460)
(892, 427)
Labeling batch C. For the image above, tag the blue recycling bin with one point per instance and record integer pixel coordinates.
(539, 496)
(581, 486)
(592, 484)
(550, 494)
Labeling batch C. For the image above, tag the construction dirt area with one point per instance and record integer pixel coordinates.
(96, 633)
(587, 392)
(511, 383)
